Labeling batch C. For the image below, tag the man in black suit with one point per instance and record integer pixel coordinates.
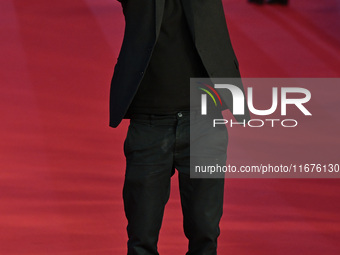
(165, 43)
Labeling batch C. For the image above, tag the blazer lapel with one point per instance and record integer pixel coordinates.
(188, 10)
(206, 21)
(159, 10)
(201, 18)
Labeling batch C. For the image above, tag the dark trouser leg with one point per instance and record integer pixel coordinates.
(201, 198)
(144, 202)
(202, 205)
(148, 151)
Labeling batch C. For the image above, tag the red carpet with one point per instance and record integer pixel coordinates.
(62, 166)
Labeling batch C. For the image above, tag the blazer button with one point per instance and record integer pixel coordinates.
(141, 73)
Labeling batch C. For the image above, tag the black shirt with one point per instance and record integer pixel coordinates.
(165, 87)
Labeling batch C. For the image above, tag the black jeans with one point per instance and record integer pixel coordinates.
(155, 146)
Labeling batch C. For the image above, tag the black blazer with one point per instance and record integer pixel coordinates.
(142, 25)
